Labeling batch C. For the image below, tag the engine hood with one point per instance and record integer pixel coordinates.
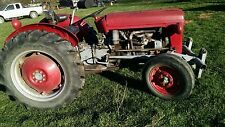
(142, 19)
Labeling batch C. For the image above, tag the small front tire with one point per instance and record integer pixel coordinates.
(169, 77)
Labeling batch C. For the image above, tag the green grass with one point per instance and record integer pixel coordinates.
(109, 101)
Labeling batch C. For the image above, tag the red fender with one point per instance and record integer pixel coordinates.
(62, 32)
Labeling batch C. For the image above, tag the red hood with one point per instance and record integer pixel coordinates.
(143, 19)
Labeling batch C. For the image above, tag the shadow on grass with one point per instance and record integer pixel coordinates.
(220, 7)
(219, 120)
(130, 82)
(123, 80)
(133, 65)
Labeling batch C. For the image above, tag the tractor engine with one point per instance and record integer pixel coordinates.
(138, 42)
(122, 44)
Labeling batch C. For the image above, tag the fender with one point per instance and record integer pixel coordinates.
(62, 32)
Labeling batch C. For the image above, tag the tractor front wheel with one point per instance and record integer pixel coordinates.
(40, 69)
(169, 77)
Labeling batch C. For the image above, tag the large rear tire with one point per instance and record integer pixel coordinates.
(40, 69)
(169, 77)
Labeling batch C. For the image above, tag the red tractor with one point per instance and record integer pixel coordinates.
(44, 64)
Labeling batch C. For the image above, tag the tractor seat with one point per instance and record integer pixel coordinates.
(61, 18)
(50, 15)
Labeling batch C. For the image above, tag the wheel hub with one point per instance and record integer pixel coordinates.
(162, 79)
(41, 73)
(165, 79)
(39, 76)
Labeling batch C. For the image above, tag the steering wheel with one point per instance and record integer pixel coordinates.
(94, 14)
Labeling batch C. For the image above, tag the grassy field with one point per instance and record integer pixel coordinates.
(109, 101)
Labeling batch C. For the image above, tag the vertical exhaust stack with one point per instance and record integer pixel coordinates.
(115, 37)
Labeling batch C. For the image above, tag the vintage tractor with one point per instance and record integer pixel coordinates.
(44, 64)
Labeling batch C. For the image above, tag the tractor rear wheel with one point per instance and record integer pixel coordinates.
(169, 77)
(40, 69)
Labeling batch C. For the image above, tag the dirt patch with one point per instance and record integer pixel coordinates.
(188, 21)
(205, 15)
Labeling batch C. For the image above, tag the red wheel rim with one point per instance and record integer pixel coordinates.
(165, 80)
(41, 73)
